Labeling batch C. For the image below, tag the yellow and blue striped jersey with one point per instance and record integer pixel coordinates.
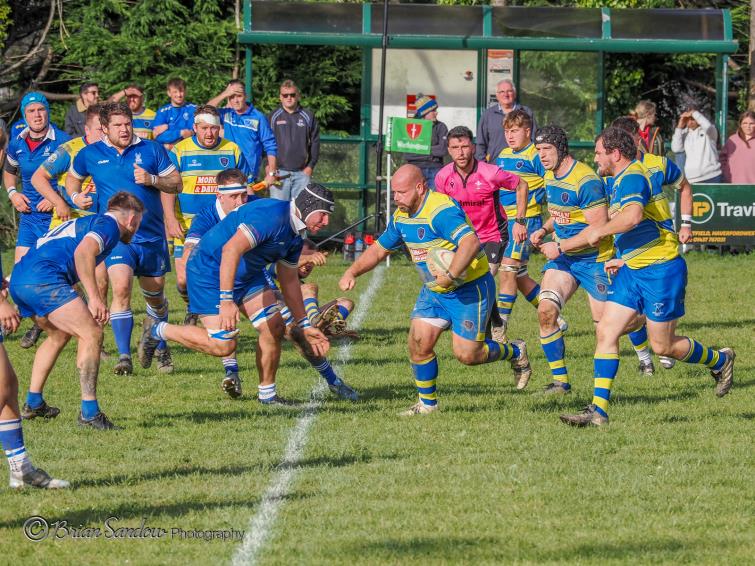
(653, 240)
(142, 123)
(568, 197)
(57, 166)
(526, 164)
(663, 172)
(439, 223)
(199, 166)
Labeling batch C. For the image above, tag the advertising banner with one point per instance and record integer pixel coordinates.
(722, 215)
(409, 135)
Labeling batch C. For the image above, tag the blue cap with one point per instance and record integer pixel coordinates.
(34, 98)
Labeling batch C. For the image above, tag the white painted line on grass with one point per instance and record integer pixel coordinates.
(262, 523)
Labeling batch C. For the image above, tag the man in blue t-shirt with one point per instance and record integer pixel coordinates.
(174, 121)
(227, 273)
(43, 287)
(123, 161)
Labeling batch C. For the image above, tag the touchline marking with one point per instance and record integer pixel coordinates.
(261, 524)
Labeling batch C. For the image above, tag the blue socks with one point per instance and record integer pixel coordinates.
(326, 371)
(123, 326)
(89, 409)
(34, 400)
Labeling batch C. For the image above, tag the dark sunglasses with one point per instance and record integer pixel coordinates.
(289, 95)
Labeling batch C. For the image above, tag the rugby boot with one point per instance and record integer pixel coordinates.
(647, 368)
(164, 360)
(325, 317)
(36, 477)
(124, 366)
(231, 384)
(277, 400)
(498, 333)
(419, 408)
(30, 338)
(588, 417)
(44, 410)
(562, 324)
(339, 329)
(557, 388)
(99, 422)
(521, 365)
(341, 389)
(147, 344)
(666, 363)
(725, 376)
(191, 319)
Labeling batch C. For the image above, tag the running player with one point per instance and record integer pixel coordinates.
(428, 220)
(476, 186)
(43, 287)
(26, 152)
(198, 159)
(123, 161)
(521, 158)
(576, 199)
(649, 278)
(226, 273)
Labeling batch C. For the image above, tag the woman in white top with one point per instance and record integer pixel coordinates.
(696, 137)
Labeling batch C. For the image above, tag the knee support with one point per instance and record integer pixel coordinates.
(522, 271)
(508, 268)
(222, 335)
(553, 297)
(264, 314)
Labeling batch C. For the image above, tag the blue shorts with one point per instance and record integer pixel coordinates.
(40, 299)
(204, 291)
(588, 273)
(521, 251)
(31, 227)
(657, 291)
(147, 259)
(466, 309)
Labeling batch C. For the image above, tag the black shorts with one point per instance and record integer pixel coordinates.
(494, 250)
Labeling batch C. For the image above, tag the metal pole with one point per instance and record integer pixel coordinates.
(388, 197)
(379, 164)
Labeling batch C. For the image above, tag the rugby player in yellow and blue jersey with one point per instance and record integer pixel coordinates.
(198, 159)
(462, 298)
(143, 116)
(521, 158)
(650, 277)
(576, 199)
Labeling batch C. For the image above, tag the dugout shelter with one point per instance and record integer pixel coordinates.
(555, 57)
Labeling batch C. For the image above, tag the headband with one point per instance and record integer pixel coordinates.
(207, 118)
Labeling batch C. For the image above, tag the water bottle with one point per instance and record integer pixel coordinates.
(348, 248)
(369, 239)
(358, 247)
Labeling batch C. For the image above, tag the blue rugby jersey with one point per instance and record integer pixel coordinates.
(271, 228)
(177, 118)
(53, 254)
(113, 172)
(568, 197)
(27, 161)
(252, 133)
(653, 240)
(526, 164)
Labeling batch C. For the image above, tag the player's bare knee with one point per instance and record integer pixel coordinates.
(348, 304)
(309, 290)
(467, 357)
(661, 346)
(223, 348)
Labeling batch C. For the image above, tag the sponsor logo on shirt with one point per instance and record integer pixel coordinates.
(561, 216)
(206, 184)
(418, 254)
(103, 161)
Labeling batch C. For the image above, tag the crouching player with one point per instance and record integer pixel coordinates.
(463, 303)
(22, 472)
(226, 273)
(650, 278)
(43, 287)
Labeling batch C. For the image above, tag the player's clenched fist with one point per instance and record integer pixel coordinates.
(347, 282)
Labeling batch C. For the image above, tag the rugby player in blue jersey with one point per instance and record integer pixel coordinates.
(22, 472)
(227, 274)
(26, 151)
(462, 298)
(43, 287)
(123, 161)
(649, 277)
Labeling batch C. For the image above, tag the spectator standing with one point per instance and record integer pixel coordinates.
(696, 136)
(738, 153)
(427, 109)
(297, 135)
(490, 137)
(143, 117)
(651, 140)
(76, 117)
(175, 120)
(248, 128)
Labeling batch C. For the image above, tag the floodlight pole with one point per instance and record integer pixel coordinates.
(379, 160)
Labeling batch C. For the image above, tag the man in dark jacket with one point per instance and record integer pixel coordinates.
(490, 138)
(427, 109)
(89, 95)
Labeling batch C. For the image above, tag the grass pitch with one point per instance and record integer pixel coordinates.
(493, 477)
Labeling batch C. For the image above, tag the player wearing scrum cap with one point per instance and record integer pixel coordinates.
(462, 298)
(198, 159)
(226, 275)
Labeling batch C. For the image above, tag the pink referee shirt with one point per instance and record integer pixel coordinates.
(478, 196)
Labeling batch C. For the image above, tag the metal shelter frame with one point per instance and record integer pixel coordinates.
(710, 32)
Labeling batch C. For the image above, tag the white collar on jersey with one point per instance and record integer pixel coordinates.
(49, 135)
(219, 209)
(134, 140)
(296, 224)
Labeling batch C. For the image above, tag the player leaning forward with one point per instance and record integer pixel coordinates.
(226, 274)
(461, 298)
(650, 276)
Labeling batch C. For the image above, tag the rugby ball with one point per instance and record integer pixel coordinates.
(439, 260)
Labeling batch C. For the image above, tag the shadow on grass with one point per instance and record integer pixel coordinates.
(444, 548)
(169, 474)
(160, 420)
(726, 324)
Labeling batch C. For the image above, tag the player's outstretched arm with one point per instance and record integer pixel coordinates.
(366, 262)
(85, 260)
(291, 289)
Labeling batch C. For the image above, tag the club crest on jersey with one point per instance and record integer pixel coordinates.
(186, 115)
(602, 288)
(251, 123)
(300, 123)
(478, 185)
(138, 158)
(224, 161)
(413, 130)
(519, 164)
(420, 232)
(564, 198)
(468, 325)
